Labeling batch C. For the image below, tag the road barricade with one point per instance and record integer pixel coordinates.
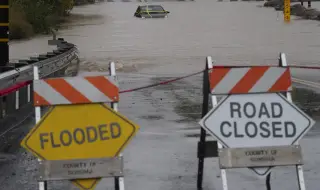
(81, 137)
(256, 124)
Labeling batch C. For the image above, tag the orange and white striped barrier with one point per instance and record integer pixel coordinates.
(71, 99)
(246, 80)
(75, 90)
(245, 85)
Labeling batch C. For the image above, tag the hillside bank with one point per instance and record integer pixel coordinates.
(29, 17)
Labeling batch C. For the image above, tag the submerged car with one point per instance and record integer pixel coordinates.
(151, 11)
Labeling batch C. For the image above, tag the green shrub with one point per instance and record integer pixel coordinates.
(18, 26)
(41, 15)
(66, 6)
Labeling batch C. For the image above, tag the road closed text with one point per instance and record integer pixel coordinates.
(261, 120)
(79, 136)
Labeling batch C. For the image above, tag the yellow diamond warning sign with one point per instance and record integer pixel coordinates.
(84, 131)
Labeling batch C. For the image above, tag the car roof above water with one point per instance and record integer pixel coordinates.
(151, 7)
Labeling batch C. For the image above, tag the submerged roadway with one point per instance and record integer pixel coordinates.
(163, 154)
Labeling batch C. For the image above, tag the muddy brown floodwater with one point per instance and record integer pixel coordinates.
(233, 33)
(163, 154)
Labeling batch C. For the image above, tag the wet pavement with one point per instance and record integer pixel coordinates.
(163, 155)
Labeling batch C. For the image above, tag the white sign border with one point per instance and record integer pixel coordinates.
(310, 125)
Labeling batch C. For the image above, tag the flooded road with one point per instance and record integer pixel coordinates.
(163, 155)
(232, 33)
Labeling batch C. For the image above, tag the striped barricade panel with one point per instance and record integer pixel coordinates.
(246, 80)
(75, 90)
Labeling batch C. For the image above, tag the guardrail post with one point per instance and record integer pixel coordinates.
(23, 96)
(2, 113)
(29, 93)
(10, 103)
(17, 99)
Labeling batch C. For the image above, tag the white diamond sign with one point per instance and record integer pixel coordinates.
(254, 120)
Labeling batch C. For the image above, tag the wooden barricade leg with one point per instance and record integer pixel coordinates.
(43, 184)
(299, 168)
(119, 181)
(205, 146)
(214, 102)
(201, 144)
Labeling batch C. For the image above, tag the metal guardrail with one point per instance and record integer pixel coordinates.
(47, 63)
(15, 79)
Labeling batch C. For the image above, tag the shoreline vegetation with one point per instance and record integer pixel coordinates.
(296, 9)
(30, 17)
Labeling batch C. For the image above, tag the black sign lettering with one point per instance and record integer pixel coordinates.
(261, 155)
(247, 108)
(264, 111)
(115, 130)
(225, 123)
(91, 130)
(288, 132)
(256, 153)
(265, 121)
(79, 136)
(54, 145)
(75, 165)
(236, 133)
(261, 159)
(65, 138)
(42, 139)
(265, 132)
(276, 109)
(276, 129)
(262, 129)
(79, 172)
(235, 107)
(102, 131)
(254, 129)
